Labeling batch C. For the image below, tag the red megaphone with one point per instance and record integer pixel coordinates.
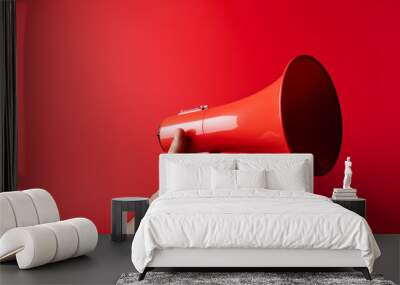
(298, 113)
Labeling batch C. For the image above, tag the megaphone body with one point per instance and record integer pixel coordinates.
(298, 113)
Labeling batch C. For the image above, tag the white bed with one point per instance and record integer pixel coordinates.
(248, 227)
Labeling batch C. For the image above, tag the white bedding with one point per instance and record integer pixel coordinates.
(250, 218)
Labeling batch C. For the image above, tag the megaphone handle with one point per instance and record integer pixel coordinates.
(200, 108)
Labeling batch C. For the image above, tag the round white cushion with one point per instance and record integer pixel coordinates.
(24, 211)
(46, 207)
(32, 246)
(7, 219)
(67, 240)
(41, 244)
(87, 235)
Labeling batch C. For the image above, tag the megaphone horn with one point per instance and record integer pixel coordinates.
(298, 113)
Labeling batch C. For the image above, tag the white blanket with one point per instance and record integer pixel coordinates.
(250, 219)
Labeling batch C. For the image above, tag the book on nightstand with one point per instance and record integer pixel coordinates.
(344, 194)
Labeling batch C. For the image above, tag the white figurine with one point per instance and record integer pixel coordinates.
(347, 174)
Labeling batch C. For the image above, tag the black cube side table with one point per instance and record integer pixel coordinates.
(119, 209)
(358, 205)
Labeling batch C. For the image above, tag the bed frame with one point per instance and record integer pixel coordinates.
(242, 259)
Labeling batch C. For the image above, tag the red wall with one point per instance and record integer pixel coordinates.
(95, 78)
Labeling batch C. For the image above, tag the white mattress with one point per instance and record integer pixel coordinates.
(252, 219)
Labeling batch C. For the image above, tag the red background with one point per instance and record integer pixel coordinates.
(95, 78)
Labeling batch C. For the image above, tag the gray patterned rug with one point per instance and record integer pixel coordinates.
(269, 278)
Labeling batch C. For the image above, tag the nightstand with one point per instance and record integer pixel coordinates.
(358, 205)
(120, 207)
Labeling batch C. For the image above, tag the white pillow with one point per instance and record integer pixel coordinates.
(193, 175)
(187, 177)
(237, 179)
(288, 175)
(223, 179)
(289, 179)
(251, 178)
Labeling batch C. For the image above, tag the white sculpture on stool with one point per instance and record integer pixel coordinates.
(347, 192)
(347, 174)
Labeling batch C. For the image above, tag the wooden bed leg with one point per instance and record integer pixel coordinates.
(364, 271)
(143, 274)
